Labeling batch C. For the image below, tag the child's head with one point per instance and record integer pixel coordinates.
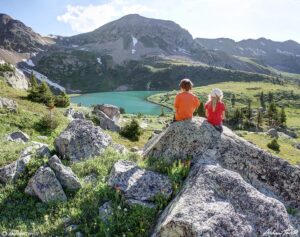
(216, 93)
(186, 84)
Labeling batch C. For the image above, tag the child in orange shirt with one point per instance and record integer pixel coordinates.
(185, 102)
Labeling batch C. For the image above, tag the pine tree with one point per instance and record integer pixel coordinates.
(33, 93)
(262, 100)
(270, 97)
(272, 113)
(282, 117)
(233, 100)
(259, 118)
(249, 110)
(62, 100)
(45, 94)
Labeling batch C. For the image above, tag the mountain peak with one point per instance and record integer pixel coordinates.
(4, 19)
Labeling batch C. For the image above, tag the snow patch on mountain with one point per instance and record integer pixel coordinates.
(41, 77)
(283, 52)
(29, 62)
(99, 60)
(134, 41)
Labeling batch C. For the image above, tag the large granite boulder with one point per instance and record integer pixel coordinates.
(218, 202)
(15, 79)
(137, 183)
(18, 136)
(81, 140)
(272, 133)
(46, 186)
(233, 189)
(8, 104)
(64, 174)
(72, 114)
(113, 112)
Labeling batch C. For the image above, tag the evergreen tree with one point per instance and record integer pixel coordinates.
(33, 93)
(259, 118)
(45, 94)
(162, 112)
(262, 100)
(233, 100)
(249, 110)
(270, 97)
(272, 113)
(62, 100)
(282, 117)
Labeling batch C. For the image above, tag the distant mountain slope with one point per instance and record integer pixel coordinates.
(16, 36)
(284, 56)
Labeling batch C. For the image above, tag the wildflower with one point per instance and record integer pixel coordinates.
(119, 208)
(125, 209)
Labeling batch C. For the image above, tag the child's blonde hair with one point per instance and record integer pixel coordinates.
(215, 96)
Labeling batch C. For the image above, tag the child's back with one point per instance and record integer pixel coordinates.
(215, 116)
(185, 105)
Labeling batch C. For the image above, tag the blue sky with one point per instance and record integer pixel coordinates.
(236, 19)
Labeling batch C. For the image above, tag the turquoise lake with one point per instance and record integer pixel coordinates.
(132, 101)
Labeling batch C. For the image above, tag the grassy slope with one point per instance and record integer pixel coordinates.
(245, 91)
(22, 214)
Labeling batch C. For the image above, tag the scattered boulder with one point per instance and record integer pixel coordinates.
(72, 114)
(134, 149)
(105, 211)
(137, 183)
(105, 122)
(289, 132)
(90, 179)
(234, 188)
(113, 112)
(272, 133)
(119, 148)
(11, 172)
(133, 202)
(18, 136)
(81, 140)
(8, 104)
(46, 186)
(16, 79)
(64, 174)
(297, 146)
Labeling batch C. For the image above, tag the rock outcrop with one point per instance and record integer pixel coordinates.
(233, 189)
(137, 183)
(8, 104)
(16, 79)
(81, 140)
(107, 116)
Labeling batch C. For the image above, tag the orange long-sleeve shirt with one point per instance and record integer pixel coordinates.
(185, 104)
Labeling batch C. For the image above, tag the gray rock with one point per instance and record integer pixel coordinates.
(46, 186)
(79, 234)
(105, 212)
(119, 148)
(137, 183)
(15, 79)
(69, 112)
(288, 132)
(64, 174)
(8, 104)
(78, 115)
(234, 188)
(90, 179)
(134, 149)
(272, 132)
(81, 140)
(105, 122)
(218, 202)
(11, 172)
(18, 136)
(297, 146)
(113, 112)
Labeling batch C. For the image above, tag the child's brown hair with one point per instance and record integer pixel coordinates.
(186, 84)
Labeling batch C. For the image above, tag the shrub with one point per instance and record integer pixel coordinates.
(47, 123)
(122, 110)
(274, 145)
(62, 100)
(6, 68)
(132, 131)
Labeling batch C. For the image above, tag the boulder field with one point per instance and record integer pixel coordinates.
(233, 189)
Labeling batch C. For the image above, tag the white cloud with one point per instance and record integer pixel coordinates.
(87, 18)
(237, 19)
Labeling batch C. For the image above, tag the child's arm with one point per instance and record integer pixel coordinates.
(176, 103)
